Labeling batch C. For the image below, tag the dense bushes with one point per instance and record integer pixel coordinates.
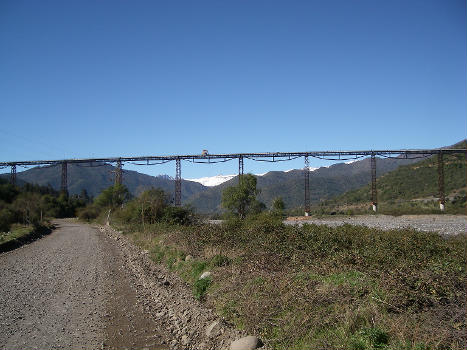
(314, 286)
(88, 213)
(150, 207)
(31, 204)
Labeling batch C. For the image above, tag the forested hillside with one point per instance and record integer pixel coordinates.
(96, 177)
(417, 182)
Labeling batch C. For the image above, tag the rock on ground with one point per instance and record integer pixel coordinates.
(247, 343)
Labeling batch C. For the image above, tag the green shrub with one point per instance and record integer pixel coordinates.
(7, 218)
(370, 338)
(88, 213)
(178, 216)
(316, 286)
(200, 287)
(220, 260)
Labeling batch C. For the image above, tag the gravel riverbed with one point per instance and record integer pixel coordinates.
(443, 224)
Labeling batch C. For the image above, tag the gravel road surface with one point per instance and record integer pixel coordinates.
(90, 288)
(60, 292)
(443, 224)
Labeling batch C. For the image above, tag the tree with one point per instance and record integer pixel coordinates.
(153, 206)
(29, 206)
(278, 205)
(241, 199)
(8, 192)
(153, 203)
(113, 196)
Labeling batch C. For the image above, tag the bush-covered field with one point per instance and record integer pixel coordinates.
(348, 287)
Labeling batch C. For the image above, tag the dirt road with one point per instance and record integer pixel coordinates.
(69, 290)
(91, 288)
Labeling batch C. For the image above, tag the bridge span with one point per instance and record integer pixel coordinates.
(207, 158)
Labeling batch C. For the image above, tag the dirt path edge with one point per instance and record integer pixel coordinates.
(27, 238)
(165, 297)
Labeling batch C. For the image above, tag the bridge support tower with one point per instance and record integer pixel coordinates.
(13, 175)
(240, 169)
(442, 199)
(306, 171)
(178, 183)
(118, 173)
(374, 193)
(64, 184)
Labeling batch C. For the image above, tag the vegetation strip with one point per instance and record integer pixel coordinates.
(28, 235)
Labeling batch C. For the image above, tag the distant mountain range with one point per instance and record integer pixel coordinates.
(325, 182)
(96, 177)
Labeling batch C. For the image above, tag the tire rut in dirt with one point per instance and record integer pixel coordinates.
(127, 326)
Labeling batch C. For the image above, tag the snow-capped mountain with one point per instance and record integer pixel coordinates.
(211, 181)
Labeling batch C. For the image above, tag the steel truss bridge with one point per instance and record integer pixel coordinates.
(272, 157)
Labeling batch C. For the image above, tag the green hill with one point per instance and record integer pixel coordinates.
(416, 184)
(95, 178)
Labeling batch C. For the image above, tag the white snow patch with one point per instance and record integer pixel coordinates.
(211, 181)
(352, 161)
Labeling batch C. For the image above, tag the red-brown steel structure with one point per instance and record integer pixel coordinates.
(268, 156)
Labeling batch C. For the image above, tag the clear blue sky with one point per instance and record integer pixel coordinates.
(121, 78)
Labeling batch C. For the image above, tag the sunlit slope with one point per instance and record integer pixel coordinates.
(417, 181)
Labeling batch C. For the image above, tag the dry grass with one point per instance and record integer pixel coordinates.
(326, 288)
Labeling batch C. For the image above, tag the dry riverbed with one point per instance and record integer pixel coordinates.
(443, 224)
